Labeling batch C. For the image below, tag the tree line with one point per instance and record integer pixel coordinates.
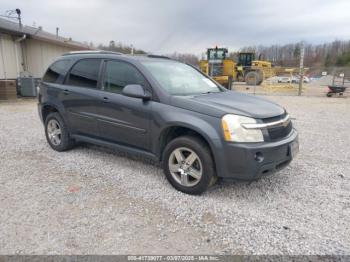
(336, 53)
(120, 47)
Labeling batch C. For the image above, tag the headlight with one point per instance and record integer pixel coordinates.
(234, 130)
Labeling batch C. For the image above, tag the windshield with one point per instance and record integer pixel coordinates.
(180, 79)
(216, 54)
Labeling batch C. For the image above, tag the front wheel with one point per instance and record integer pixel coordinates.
(188, 165)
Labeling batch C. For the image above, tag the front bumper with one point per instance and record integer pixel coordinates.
(248, 161)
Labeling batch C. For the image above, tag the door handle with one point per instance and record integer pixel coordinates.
(66, 91)
(105, 99)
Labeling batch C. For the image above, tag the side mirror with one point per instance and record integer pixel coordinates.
(136, 91)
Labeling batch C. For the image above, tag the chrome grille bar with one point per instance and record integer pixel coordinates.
(282, 122)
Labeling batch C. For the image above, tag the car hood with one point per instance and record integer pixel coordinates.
(228, 102)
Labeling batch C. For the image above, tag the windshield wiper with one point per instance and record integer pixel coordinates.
(209, 92)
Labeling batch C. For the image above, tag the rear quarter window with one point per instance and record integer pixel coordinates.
(57, 71)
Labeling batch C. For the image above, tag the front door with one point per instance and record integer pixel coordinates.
(122, 119)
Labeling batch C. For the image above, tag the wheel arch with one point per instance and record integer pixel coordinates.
(173, 131)
(47, 109)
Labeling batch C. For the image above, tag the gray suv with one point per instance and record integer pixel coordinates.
(167, 111)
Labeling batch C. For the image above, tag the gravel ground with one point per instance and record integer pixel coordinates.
(92, 200)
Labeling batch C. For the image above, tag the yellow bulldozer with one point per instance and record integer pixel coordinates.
(225, 71)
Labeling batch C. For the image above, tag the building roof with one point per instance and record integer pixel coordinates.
(13, 28)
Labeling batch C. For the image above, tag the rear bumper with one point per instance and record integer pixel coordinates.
(248, 161)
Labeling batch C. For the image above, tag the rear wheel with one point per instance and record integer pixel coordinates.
(188, 165)
(57, 134)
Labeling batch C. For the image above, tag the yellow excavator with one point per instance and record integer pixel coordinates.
(225, 71)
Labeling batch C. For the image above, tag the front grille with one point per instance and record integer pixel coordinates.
(275, 118)
(216, 69)
(281, 131)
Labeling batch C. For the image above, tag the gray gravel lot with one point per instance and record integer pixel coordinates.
(92, 200)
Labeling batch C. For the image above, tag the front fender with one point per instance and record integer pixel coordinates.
(208, 127)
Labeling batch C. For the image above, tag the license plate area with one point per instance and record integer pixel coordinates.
(293, 149)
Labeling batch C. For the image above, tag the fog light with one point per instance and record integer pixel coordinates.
(259, 157)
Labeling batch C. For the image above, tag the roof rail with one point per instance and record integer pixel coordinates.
(92, 52)
(158, 56)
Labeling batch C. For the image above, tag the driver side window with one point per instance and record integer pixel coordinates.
(118, 74)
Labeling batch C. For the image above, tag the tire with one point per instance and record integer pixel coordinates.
(229, 83)
(58, 140)
(203, 165)
(253, 78)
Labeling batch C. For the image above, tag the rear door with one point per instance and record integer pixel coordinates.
(82, 96)
(123, 120)
(51, 88)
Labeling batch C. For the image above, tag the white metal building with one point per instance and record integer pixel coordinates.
(29, 50)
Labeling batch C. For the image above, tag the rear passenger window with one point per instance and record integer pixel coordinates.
(119, 74)
(56, 70)
(85, 73)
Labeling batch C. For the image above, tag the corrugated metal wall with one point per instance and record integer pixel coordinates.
(37, 56)
(8, 62)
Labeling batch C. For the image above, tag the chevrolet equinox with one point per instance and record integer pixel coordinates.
(167, 111)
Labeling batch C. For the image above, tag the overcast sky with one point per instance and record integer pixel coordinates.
(165, 26)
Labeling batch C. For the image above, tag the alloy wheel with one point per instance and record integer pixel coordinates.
(185, 167)
(54, 132)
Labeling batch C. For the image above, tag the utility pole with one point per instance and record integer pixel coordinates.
(18, 12)
(301, 68)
